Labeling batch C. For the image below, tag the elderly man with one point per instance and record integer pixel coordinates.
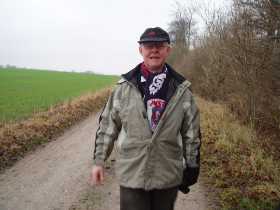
(152, 118)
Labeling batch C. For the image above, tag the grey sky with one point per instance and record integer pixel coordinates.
(78, 35)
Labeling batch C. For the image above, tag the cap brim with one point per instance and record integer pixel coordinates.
(153, 40)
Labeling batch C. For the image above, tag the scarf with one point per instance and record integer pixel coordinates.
(154, 88)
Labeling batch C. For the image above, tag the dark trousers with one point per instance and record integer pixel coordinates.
(139, 199)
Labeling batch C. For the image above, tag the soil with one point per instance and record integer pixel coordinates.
(56, 177)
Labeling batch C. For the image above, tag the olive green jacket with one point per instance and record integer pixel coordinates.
(144, 159)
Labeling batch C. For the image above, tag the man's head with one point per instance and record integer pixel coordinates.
(154, 48)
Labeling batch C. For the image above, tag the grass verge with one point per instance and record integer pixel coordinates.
(245, 176)
(16, 139)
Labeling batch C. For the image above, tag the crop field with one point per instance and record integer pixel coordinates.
(27, 91)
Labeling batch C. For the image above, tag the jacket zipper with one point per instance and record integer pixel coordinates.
(170, 104)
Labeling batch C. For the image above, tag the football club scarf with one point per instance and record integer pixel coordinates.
(154, 87)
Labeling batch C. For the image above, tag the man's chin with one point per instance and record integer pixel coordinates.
(155, 66)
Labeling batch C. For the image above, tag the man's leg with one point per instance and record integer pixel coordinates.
(164, 199)
(134, 199)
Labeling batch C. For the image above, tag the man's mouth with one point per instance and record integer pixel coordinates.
(154, 57)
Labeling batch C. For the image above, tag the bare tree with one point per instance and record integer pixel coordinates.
(236, 58)
(182, 30)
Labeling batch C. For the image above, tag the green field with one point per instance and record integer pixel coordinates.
(26, 91)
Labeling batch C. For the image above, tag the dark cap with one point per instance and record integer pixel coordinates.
(156, 34)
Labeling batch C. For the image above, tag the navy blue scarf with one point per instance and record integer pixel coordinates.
(154, 88)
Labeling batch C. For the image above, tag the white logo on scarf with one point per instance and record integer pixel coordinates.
(157, 83)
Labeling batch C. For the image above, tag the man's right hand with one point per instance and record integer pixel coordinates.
(97, 175)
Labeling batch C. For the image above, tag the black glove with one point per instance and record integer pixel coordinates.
(190, 176)
(184, 189)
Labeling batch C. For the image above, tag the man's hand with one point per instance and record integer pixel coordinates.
(97, 175)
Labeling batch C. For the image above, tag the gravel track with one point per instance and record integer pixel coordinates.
(56, 177)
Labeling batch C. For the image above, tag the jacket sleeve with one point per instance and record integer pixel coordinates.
(108, 130)
(191, 137)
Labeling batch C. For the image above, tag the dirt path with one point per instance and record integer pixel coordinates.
(106, 197)
(56, 176)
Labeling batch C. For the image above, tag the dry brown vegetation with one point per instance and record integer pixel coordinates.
(235, 61)
(16, 139)
(244, 175)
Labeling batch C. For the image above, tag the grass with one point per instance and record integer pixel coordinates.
(245, 175)
(24, 92)
(18, 138)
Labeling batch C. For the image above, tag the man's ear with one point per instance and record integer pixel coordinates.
(169, 50)
(140, 50)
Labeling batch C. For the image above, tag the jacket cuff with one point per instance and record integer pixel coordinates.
(98, 162)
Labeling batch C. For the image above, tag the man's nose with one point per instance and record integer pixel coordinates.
(154, 48)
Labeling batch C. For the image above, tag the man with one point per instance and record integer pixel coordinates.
(154, 121)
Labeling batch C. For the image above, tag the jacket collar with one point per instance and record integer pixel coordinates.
(134, 74)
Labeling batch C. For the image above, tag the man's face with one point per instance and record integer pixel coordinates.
(154, 54)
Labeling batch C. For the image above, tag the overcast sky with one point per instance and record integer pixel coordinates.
(78, 35)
